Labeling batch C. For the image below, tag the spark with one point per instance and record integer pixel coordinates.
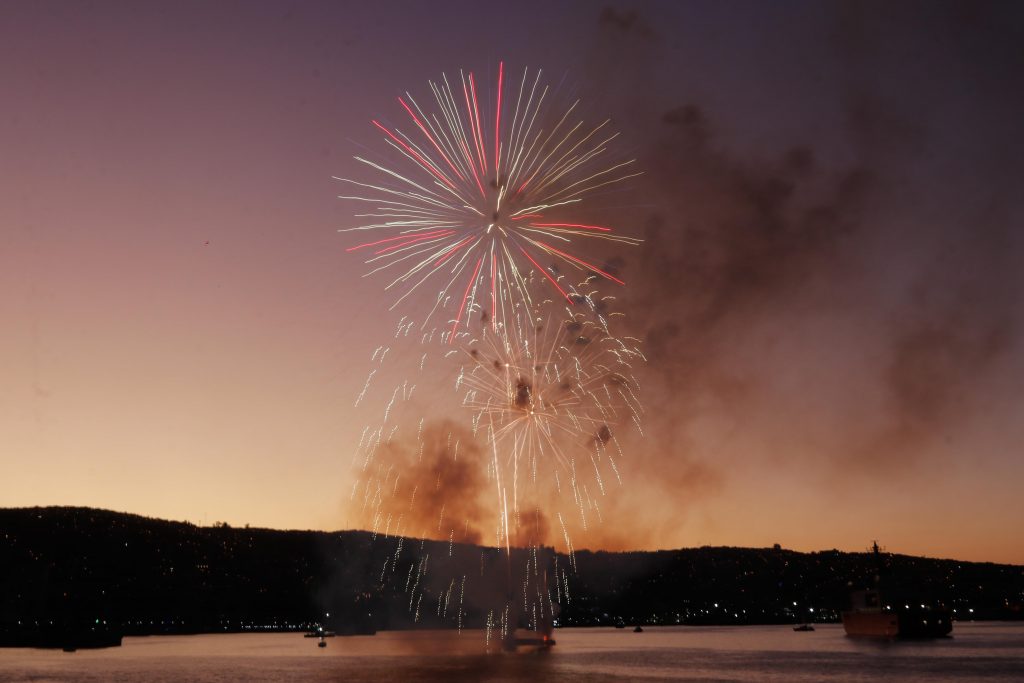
(549, 388)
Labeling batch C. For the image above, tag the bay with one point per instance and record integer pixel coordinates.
(984, 651)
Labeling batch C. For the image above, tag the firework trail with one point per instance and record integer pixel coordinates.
(488, 193)
(545, 399)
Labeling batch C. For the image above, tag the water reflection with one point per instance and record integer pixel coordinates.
(978, 652)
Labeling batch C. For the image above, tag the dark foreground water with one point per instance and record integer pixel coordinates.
(976, 652)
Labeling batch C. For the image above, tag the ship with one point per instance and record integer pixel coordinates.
(888, 612)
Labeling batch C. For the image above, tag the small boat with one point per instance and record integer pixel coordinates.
(803, 627)
(527, 638)
(322, 643)
(638, 629)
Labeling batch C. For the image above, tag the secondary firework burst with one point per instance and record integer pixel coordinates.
(550, 392)
(484, 194)
(546, 398)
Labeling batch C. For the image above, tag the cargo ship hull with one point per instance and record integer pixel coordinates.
(934, 623)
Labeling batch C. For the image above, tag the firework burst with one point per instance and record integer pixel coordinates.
(549, 394)
(482, 208)
(486, 196)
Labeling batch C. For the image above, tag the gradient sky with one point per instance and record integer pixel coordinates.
(829, 287)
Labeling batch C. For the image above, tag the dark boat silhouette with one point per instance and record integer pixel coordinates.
(887, 611)
(527, 638)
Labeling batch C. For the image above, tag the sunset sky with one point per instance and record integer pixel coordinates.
(829, 290)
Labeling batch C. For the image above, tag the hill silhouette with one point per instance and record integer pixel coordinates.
(151, 576)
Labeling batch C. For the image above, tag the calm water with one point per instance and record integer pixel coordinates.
(977, 652)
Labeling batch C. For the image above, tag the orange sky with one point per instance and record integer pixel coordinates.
(184, 336)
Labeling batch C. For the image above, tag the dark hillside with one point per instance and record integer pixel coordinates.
(72, 565)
